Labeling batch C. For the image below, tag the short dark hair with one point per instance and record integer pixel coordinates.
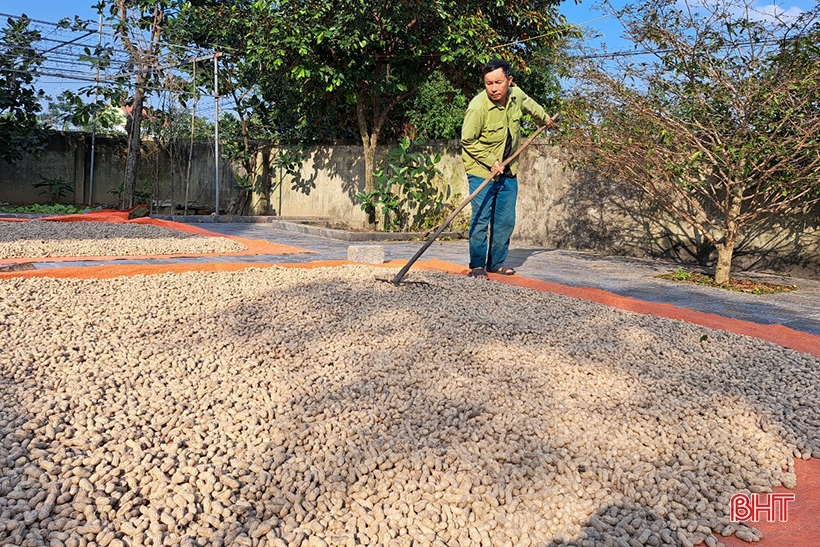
(495, 64)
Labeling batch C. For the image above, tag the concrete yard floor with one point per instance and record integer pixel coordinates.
(790, 319)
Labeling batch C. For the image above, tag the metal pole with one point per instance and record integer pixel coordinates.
(94, 124)
(191, 143)
(216, 129)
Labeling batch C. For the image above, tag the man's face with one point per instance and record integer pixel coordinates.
(497, 85)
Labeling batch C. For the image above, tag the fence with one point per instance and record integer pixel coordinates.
(557, 207)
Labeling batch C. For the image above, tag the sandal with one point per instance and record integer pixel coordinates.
(478, 273)
(504, 270)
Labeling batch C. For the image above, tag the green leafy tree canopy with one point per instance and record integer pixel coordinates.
(375, 55)
(20, 129)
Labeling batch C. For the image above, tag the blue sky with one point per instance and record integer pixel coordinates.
(53, 10)
(50, 10)
(583, 14)
(576, 13)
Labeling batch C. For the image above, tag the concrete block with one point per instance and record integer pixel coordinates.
(369, 254)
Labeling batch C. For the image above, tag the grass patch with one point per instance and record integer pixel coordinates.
(38, 209)
(735, 284)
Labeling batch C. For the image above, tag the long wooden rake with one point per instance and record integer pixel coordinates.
(399, 276)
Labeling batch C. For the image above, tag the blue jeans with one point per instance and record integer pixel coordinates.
(493, 210)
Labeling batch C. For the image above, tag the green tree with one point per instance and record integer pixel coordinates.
(543, 79)
(405, 191)
(138, 26)
(20, 129)
(310, 71)
(69, 112)
(97, 107)
(718, 121)
(262, 109)
(436, 110)
(377, 54)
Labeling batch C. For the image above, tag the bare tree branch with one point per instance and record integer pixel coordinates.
(720, 126)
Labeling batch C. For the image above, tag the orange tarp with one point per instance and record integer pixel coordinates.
(802, 529)
(119, 216)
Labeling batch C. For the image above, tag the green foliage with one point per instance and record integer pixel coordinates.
(288, 162)
(244, 134)
(735, 284)
(174, 122)
(244, 183)
(461, 223)
(404, 192)
(681, 274)
(392, 48)
(20, 130)
(39, 209)
(436, 111)
(69, 111)
(338, 70)
(379, 57)
(55, 189)
(138, 27)
(98, 107)
(542, 82)
(269, 102)
(140, 196)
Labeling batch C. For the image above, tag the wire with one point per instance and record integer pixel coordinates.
(650, 51)
(18, 17)
(595, 20)
(68, 53)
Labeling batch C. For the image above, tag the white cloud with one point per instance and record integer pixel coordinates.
(774, 12)
(757, 11)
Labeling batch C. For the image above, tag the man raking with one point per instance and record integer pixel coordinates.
(489, 135)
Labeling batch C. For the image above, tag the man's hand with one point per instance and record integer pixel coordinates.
(496, 169)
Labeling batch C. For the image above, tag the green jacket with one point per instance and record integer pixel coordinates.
(484, 132)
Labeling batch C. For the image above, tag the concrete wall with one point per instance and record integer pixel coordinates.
(63, 158)
(557, 207)
(163, 171)
(562, 208)
(327, 186)
(332, 176)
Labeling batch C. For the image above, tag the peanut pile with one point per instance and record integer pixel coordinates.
(43, 239)
(320, 407)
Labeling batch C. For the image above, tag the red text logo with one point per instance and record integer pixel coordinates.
(772, 508)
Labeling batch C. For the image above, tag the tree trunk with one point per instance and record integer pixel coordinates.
(369, 142)
(369, 163)
(142, 59)
(134, 146)
(370, 138)
(726, 248)
(245, 194)
(724, 262)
